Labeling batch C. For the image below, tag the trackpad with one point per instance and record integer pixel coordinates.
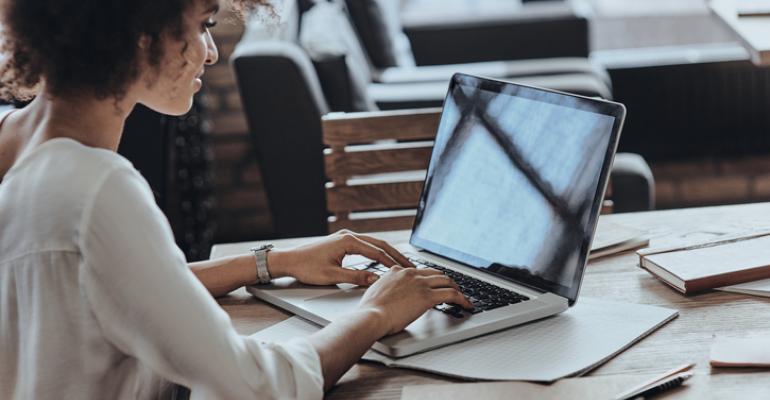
(335, 304)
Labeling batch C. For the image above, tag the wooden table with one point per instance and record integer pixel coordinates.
(754, 32)
(686, 339)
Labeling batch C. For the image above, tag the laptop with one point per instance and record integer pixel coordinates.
(509, 208)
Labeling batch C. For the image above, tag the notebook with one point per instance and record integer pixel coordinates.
(612, 238)
(727, 261)
(753, 8)
(601, 387)
(755, 288)
(741, 352)
(569, 344)
(593, 387)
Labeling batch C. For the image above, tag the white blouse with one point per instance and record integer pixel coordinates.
(97, 302)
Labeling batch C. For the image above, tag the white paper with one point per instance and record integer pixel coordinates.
(568, 344)
(756, 288)
(609, 234)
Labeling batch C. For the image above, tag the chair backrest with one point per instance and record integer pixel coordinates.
(375, 163)
(283, 104)
(283, 101)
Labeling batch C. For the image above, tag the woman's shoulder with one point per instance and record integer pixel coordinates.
(68, 171)
(59, 157)
(82, 154)
(47, 194)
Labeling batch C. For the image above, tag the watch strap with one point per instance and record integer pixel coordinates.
(260, 255)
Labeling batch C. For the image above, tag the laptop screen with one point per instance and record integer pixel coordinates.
(515, 181)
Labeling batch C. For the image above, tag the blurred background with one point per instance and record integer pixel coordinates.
(247, 163)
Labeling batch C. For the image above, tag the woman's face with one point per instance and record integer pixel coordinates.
(169, 89)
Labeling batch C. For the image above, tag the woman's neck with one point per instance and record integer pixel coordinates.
(88, 120)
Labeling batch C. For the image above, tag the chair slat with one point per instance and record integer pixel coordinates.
(341, 129)
(346, 164)
(372, 224)
(382, 196)
(373, 161)
(607, 207)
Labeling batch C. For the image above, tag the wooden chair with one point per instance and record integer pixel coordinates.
(376, 163)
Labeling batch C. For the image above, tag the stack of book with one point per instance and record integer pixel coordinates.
(738, 263)
(612, 239)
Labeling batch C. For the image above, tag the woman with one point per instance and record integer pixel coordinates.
(95, 299)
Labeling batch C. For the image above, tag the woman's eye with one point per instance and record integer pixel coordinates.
(210, 24)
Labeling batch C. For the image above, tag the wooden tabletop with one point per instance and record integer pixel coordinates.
(686, 339)
(753, 31)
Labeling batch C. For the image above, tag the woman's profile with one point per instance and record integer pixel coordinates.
(96, 300)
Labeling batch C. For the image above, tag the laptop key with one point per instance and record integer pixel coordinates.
(358, 267)
(455, 310)
(450, 309)
(483, 295)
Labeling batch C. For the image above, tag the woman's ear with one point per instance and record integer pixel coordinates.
(144, 42)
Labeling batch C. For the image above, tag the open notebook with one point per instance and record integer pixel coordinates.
(569, 344)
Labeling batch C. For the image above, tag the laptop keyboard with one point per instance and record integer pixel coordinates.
(483, 295)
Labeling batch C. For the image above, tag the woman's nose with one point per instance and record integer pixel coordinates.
(212, 54)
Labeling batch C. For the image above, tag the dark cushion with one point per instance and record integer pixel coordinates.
(335, 82)
(633, 186)
(330, 41)
(305, 5)
(379, 27)
(369, 19)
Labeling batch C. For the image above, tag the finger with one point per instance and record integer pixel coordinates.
(397, 255)
(440, 281)
(396, 268)
(355, 245)
(342, 232)
(448, 295)
(428, 272)
(361, 278)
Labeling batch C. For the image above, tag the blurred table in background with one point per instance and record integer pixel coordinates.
(753, 31)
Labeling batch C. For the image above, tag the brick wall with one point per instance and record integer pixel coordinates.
(712, 181)
(241, 211)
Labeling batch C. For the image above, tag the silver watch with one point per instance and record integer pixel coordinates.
(260, 254)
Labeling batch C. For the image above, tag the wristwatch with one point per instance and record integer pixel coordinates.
(260, 254)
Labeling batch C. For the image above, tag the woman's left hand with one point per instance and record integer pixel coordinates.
(320, 263)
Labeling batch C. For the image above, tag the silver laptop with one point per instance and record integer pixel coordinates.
(508, 209)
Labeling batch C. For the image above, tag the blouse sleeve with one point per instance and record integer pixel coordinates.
(151, 306)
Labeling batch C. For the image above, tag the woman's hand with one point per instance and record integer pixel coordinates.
(399, 297)
(320, 263)
(404, 294)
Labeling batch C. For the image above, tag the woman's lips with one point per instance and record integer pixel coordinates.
(197, 82)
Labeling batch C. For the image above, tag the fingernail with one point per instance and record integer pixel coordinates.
(372, 278)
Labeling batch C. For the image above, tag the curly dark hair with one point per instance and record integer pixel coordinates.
(86, 45)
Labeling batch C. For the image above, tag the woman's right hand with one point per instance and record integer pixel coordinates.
(402, 295)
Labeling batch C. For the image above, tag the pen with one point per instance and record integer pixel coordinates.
(659, 380)
(670, 383)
